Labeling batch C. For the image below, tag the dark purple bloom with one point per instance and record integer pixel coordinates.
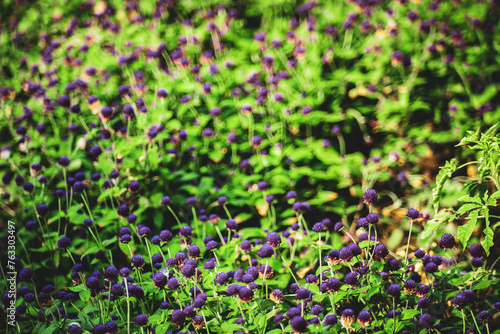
(447, 241)
(370, 196)
(426, 321)
(412, 214)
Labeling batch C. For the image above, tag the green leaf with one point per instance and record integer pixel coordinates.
(433, 225)
(482, 285)
(466, 207)
(495, 195)
(51, 329)
(470, 199)
(85, 295)
(465, 231)
(488, 240)
(444, 174)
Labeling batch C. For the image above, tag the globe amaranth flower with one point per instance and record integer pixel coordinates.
(485, 316)
(273, 239)
(422, 290)
(477, 262)
(231, 225)
(361, 223)
(460, 301)
(345, 254)
(347, 318)
(333, 284)
(419, 253)
(64, 242)
(178, 317)
(245, 294)
(312, 279)
(431, 267)
(266, 251)
(303, 294)
(137, 261)
(330, 320)
(447, 241)
(426, 321)
(476, 250)
(496, 306)
(370, 196)
(410, 286)
(276, 296)
(265, 271)
(394, 290)
(334, 257)
(317, 310)
(423, 302)
(380, 251)
(92, 283)
(351, 278)
(372, 218)
(412, 214)
(364, 318)
(298, 324)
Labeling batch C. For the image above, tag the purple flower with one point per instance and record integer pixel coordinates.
(370, 196)
(426, 321)
(447, 241)
(412, 214)
(299, 324)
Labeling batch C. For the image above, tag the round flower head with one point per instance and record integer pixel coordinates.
(345, 254)
(318, 227)
(25, 275)
(485, 316)
(410, 286)
(160, 280)
(42, 209)
(419, 253)
(92, 283)
(347, 318)
(338, 226)
(303, 294)
(351, 278)
(316, 310)
(460, 300)
(423, 302)
(111, 273)
(245, 294)
(496, 306)
(476, 250)
(447, 241)
(380, 251)
(276, 296)
(333, 284)
(266, 271)
(431, 267)
(372, 218)
(312, 279)
(298, 324)
(63, 161)
(231, 225)
(477, 262)
(426, 321)
(266, 251)
(64, 242)
(364, 318)
(471, 295)
(422, 290)
(412, 214)
(394, 290)
(370, 196)
(178, 317)
(330, 320)
(361, 223)
(193, 251)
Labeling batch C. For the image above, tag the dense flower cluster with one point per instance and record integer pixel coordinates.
(180, 167)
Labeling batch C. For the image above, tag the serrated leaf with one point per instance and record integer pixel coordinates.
(488, 240)
(444, 174)
(495, 194)
(482, 285)
(433, 225)
(466, 207)
(470, 199)
(465, 231)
